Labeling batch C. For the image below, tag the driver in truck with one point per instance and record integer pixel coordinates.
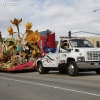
(64, 44)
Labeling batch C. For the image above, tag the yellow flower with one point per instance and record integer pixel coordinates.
(33, 52)
(32, 39)
(16, 21)
(10, 47)
(28, 25)
(29, 35)
(32, 36)
(37, 35)
(10, 30)
(38, 51)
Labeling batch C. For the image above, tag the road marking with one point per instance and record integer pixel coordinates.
(50, 86)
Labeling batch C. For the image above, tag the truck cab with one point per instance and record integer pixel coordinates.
(72, 55)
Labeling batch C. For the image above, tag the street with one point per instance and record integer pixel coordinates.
(51, 86)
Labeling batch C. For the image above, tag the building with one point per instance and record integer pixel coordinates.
(95, 41)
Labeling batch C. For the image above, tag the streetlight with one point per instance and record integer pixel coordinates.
(69, 33)
(95, 10)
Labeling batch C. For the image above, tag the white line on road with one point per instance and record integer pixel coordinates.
(55, 87)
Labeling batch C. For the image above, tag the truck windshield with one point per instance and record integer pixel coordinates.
(80, 43)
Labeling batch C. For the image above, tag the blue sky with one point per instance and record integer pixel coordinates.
(59, 16)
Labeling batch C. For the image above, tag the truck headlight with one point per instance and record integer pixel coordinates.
(80, 59)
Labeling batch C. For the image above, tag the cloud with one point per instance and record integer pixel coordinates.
(60, 16)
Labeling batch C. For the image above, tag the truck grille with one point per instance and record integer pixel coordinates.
(93, 55)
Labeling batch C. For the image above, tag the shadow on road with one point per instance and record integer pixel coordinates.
(91, 73)
(24, 71)
(80, 73)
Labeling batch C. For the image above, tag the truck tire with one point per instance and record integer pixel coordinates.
(72, 68)
(41, 70)
(98, 71)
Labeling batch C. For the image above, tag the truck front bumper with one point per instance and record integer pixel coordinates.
(88, 65)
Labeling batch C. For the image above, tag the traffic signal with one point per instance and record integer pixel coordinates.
(69, 34)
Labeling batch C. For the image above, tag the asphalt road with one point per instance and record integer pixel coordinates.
(52, 86)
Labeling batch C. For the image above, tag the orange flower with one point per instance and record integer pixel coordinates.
(32, 39)
(16, 21)
(28, 25)
(32, 36)
(10, 30)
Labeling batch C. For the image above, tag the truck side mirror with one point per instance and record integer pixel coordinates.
(69, 49)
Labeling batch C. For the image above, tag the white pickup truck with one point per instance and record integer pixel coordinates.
(72, 56)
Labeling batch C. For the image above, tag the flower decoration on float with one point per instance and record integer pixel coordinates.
(28, 26)
(29, 37)
(17, 22)
(33, 37)
(37, 36)
(32, 40)
(10, 30)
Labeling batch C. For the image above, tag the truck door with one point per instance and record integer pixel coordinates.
(63, 51)
(51, 60)
(63, 56)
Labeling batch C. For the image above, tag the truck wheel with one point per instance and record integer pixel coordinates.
(41, 70)
(98, 71)
(72, 69)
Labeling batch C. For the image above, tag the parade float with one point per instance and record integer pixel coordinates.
(22, 53)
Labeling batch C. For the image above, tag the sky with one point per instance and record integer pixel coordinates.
(59, 16)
